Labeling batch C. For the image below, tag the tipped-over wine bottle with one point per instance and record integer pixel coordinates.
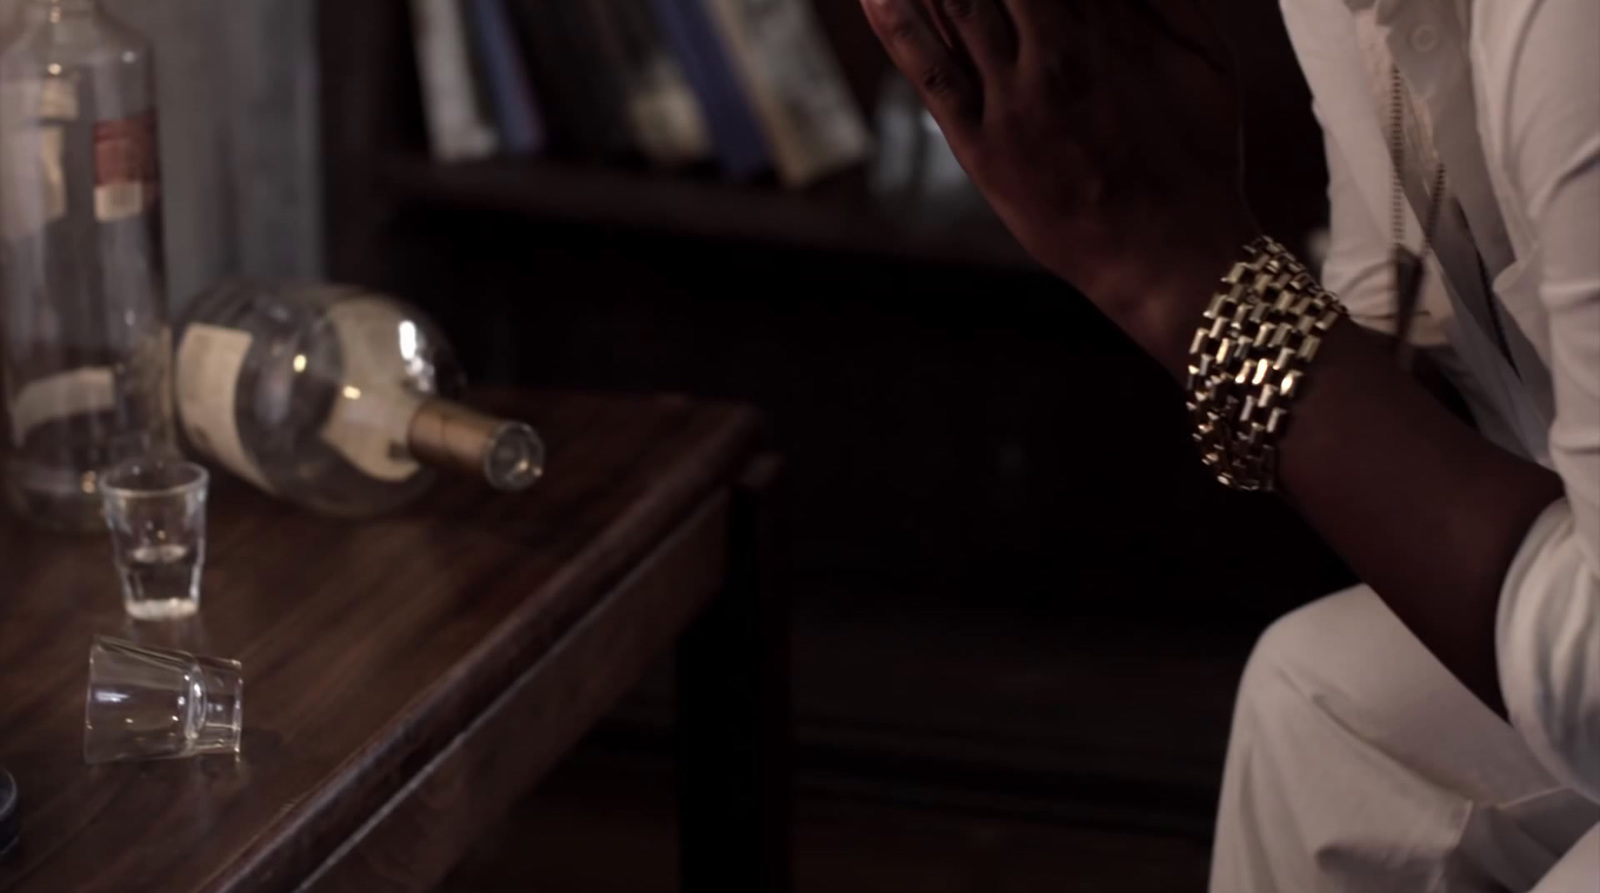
(334, 398)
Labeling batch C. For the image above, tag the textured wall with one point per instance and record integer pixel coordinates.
(237, 83)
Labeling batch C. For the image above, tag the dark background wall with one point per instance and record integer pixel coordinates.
(1015, 589)
(237, 86)
(955, 426)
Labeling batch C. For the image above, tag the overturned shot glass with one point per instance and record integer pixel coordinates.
(153, 703)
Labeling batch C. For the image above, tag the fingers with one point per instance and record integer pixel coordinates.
(1039, 16)
(985, 31)
(1049, 31)
(948, 87)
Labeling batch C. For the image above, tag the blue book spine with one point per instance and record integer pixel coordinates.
(740, 147)
(521, 125)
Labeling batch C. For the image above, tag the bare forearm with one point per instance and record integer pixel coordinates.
(1427, 511)
(1424, 509)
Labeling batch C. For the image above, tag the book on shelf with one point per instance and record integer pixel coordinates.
(812, 124)
(458, 127)
(666, 119)
(740, 148)
(580, 91)
(504, 74)
(750, 84)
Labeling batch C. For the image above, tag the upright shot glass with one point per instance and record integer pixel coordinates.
(156, 511)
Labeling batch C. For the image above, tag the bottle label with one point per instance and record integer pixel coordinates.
(370, 422)
(79, 392)
(370, 427)
(53, 98)
(32, 152)
(209, 360)
(32, 164)
(58, 98)
(127, 168)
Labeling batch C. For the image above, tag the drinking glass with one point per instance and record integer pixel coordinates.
(152, 703)
(156, 510)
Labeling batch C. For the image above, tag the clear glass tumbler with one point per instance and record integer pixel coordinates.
(151, 703)
(156, 510)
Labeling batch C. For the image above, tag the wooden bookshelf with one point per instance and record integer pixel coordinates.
(839, 216)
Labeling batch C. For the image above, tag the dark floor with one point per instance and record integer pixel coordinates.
(605, 825)
(942, 747)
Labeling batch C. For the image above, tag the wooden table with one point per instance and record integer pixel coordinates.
(407, 678)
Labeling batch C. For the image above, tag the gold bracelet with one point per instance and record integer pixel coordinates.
(1248, 362)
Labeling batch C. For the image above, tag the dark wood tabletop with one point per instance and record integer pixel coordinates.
(405, 677)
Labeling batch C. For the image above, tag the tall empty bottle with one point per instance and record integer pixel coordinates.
(87, 347)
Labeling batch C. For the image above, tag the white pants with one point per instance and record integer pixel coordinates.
(1358, 763)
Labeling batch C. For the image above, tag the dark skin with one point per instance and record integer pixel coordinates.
(1106, 136)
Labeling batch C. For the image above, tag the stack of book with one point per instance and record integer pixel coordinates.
(749, 85)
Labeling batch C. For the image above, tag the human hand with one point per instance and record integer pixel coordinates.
(1105, 134)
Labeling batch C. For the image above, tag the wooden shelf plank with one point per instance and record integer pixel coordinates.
(837, 216)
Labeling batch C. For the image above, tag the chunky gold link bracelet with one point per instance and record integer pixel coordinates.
(1248, 362)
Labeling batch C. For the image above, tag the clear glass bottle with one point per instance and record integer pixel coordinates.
(87, 349)
(334, 398)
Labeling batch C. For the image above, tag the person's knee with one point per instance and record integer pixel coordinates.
(1289, 646)
(1306, 652)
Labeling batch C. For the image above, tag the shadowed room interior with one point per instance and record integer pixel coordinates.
(1014, 652)
(1018, 606)
(799, 446)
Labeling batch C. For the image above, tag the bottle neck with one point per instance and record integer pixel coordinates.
(507, 454)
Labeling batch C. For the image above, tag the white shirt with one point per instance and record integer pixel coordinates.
(1506, 94)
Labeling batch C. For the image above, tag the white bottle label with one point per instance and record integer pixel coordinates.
(79, 392)
(32, 151)
(209, 360)
(33, 157)
(49, 98)
(370, 422)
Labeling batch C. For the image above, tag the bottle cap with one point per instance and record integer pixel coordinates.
(8, 812)
(508, 454)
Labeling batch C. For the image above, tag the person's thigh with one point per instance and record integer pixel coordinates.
(1349, 657)
(1359, 762)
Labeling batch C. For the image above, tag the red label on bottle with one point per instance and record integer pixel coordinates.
(127, 167)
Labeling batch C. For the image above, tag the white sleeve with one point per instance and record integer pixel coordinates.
(1539, 67)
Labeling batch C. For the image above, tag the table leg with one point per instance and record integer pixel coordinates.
(733, 715)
